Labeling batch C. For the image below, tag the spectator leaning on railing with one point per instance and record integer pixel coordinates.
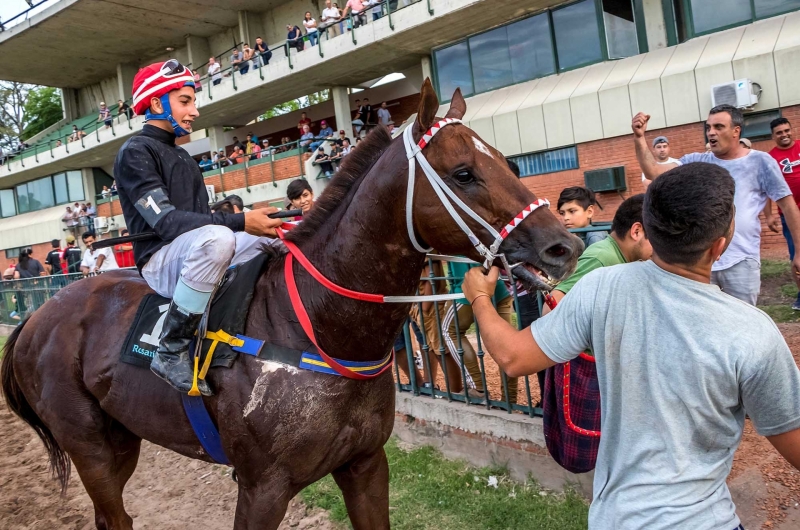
(105, 115)
(205, 164)
(306, 138)
(359, 12)
(96, 260)
(294, 37)
(247, 57)
(330, 17)
(311, 28)
(123, 109)
(263, 51)
(213, 71)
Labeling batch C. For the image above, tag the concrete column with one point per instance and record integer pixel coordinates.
(216, 138)
(199, 51)
(654, 24)
(426, 68)
(69, 104)
(250, 27)
(341, 108)
(125, 74)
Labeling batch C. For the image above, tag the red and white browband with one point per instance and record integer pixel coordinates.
(448, 197)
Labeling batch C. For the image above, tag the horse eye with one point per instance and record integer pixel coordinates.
(464, 176)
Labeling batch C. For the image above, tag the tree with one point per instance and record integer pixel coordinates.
(43, 109)
(26, 110)
(296, 104)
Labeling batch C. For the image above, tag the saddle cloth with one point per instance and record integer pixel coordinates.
(229, 310)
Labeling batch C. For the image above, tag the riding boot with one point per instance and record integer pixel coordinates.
(172, 361)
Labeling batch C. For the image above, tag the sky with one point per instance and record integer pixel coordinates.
(9, 8)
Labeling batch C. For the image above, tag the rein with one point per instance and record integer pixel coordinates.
(447, 197)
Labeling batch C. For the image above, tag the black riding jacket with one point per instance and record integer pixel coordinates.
(161, 190)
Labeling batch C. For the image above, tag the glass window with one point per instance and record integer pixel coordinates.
(531, 48)
(22, 198)
(491, 62)
(35, 195)
(756, 126)
(709, 16)
(620, 28)
(75, 182)
(12, 253)
(768, 8)
(453, 71)
(577, 35)
(7, 204)
(60, 185)
(547, 161)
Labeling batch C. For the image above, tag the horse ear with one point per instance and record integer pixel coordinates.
(428, 106)
(458, 107)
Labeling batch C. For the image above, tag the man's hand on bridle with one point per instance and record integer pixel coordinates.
(257, 222)
(477, 283)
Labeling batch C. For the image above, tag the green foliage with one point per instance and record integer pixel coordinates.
(428, 492)
(296, 104)
(42, 109)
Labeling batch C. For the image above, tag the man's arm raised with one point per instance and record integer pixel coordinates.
(515, 351)
(647, 161)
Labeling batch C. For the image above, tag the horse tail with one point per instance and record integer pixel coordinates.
(59, 461)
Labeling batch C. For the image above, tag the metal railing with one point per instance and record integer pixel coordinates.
(4, 25)
(446, 358)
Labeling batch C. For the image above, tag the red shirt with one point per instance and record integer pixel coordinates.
(124, 257)
(789, 162)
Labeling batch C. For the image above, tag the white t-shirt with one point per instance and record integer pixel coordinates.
(678, 363)
(213, 71)
(669, 160)
(329, 14)
(90, 259)
(757, 177)
(311, 22)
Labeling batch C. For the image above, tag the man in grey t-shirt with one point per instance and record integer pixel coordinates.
(757, 178)
(678, 363)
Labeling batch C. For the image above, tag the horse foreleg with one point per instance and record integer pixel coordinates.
(262, 506)
(365, 487)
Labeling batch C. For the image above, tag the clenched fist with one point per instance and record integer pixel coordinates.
(639, 124)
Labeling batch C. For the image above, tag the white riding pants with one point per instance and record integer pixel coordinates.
(200, 258)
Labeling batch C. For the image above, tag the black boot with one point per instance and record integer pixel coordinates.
(172, 361)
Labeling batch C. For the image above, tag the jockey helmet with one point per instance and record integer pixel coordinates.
(158, 80)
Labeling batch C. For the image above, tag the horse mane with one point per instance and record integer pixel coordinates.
(354, 168)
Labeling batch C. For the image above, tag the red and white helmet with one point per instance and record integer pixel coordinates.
(158, 79)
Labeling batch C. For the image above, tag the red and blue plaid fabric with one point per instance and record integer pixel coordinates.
(572, 414)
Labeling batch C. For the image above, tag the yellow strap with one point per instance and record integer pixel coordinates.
(216, 338)
(194, 391)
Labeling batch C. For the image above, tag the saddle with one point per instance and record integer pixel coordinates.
(225, 320)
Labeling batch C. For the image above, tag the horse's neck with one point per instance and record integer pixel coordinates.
(365, 250)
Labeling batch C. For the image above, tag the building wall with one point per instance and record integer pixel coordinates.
(276, 19)
(89, 97)
(620, 151)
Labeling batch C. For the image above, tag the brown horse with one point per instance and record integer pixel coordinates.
(281, 428)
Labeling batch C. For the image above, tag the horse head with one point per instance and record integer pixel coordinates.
(480, 177)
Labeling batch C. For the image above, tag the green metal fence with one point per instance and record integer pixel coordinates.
(20, 298)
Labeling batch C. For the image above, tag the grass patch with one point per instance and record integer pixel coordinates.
(781, 313)
(428, 492)
(789, 290)
(774, 268)
(2, 343)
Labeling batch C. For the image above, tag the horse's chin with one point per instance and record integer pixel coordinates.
(532, 277)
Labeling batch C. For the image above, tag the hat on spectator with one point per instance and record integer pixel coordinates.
(157, 81)
(660, 140)
(746, 142)
(342, 132)
(323, 122)
(70, 239)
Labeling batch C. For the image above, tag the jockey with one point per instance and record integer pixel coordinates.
(161, 190)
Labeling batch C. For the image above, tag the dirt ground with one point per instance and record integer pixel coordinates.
(167, 491)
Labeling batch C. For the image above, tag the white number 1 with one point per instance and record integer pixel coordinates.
(150, 202)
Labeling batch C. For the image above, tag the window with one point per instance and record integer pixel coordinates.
(7, 205)
(60, 185)
(491, 60)
(621, 38)
(756, 125)
(75, 184)
(13, 253)
(547, 161)
(531, 48)
(35, 195)
(453, 70)
(704, 16)
(577, 35)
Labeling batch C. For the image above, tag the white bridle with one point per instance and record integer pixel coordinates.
(446, 195)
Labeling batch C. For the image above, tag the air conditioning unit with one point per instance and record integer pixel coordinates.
(100, 224)
(212, 195)
(607, 179)
(737, 93)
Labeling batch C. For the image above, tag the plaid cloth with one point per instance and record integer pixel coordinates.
(573, 439)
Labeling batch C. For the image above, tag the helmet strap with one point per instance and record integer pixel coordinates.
(166, 114)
